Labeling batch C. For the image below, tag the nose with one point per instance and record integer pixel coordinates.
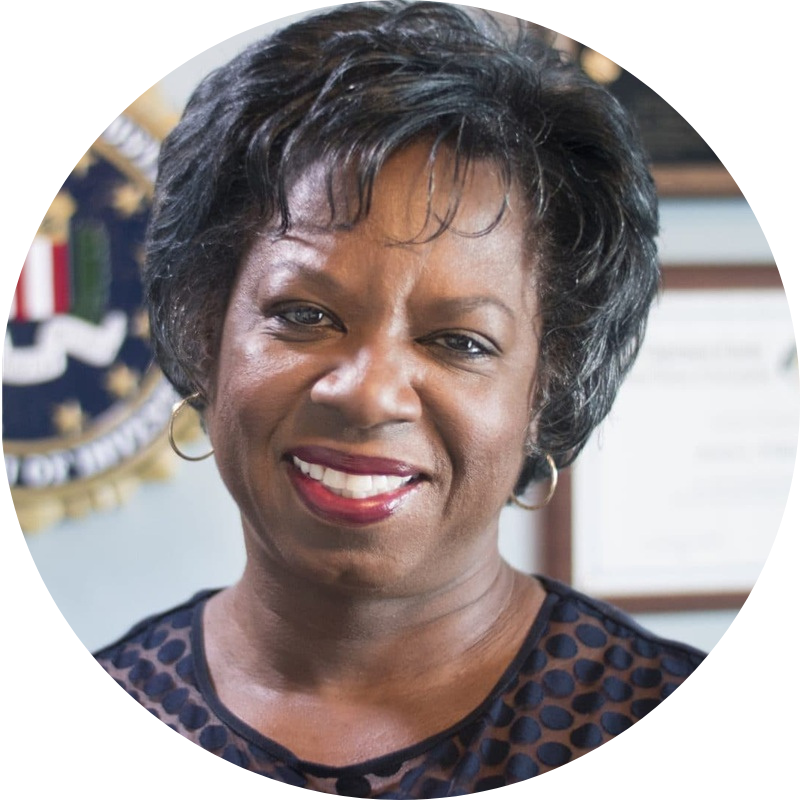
(369, 387)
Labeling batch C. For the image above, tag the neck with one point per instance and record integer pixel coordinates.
(303, 636)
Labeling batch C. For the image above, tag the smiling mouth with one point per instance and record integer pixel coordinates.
(362, 491)
(348, 485)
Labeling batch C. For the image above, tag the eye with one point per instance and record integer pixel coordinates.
(465, 344)
(306, 316)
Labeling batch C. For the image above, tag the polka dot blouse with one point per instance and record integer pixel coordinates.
(585, 673)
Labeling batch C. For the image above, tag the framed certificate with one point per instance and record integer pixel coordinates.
(676, 499)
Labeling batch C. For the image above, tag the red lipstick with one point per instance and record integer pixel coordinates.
(333, 507)
(354, 464)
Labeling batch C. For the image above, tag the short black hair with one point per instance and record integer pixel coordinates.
(350, 87)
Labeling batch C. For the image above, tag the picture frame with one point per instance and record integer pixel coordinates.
(682, 163)
(687, 527)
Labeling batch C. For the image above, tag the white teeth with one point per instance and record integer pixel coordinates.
(349, 485)
(334, 479)
(316, 471)
(359, 483)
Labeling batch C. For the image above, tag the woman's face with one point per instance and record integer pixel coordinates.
(372, 398)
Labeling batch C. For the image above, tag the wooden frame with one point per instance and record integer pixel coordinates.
(694, 180)
(557, 555)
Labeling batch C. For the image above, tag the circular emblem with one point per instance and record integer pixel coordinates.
(84, 408)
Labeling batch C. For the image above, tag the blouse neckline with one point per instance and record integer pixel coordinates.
(379, 764)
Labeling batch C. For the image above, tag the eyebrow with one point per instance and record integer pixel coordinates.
(472, 303)
(443, 305)
(297, 268)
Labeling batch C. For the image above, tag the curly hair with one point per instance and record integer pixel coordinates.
(347, 89)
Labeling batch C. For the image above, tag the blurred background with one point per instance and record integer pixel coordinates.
(159, 529)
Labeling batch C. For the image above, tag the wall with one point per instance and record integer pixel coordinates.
(108, 570)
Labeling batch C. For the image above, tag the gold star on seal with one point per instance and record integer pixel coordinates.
(68, 417)
(128, 199)
(140, 324)
(121, 381)
(138, 255)
(81, 169)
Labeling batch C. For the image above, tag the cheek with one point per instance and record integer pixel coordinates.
(252, 389)
(485, 433)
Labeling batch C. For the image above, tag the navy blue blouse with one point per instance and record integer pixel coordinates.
(585, 673)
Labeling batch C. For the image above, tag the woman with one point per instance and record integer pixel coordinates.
(400, 259)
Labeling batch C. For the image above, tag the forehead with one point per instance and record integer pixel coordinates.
(417, 195)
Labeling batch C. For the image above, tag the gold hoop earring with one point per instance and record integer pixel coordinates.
(176, 409)
(551, 491)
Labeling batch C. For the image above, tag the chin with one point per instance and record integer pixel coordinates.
(357, 571)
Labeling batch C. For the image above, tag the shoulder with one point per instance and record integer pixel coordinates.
(594, 623)
(570, 605)
(160, 641)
